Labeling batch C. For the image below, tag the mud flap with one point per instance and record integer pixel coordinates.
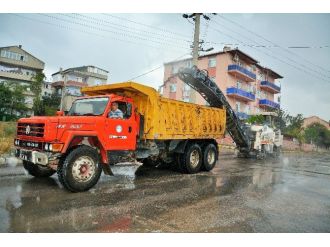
(107, 170)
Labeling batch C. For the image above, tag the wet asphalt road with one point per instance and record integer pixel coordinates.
(291, 194)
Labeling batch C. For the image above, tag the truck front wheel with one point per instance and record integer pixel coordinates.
(80, 170)
(37, 171)
(191, 160)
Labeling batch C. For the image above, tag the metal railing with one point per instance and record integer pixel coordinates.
(271, 85)
(269, 103)
(240, 92)
(236, 67)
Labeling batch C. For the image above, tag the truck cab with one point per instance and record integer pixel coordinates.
(42, 142)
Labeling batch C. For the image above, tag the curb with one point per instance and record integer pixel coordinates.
(10, 161)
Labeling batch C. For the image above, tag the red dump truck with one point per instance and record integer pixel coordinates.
(79, 145)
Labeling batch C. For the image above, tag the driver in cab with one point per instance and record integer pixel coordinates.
(115, 112)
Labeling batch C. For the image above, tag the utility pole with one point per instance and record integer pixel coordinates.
(196, 45)
(195, 54)
(63, 89)
(196, 39)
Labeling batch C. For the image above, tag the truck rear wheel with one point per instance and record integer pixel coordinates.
(191, 160)
(209, 157)
(37, 170)
(80, 170)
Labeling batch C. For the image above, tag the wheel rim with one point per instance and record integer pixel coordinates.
(83, 169)
(211, 157)
(194, 158)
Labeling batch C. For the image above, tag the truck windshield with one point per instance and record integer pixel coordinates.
(88, 107)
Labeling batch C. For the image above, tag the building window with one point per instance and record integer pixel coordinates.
(175, 69)
(258, 94)
(238, 84)
(238, 106)
(247, 109)
(13, 55)
(172, 88)
(212, 62)
(189, 64)
(260, 76)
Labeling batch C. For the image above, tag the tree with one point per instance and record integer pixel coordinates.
(256, 119)
(5, 98)
(318, 134)
(312, 134)
(11, 100)
(51, 104)
(36, 88)
(294, 127)
(282, 120)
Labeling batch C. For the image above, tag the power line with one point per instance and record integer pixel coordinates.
(245, 37)
(154, 69)
(262, 37)
(298, 68)
(116, 25)
(146, 25)
(87, 32)
(106, 30)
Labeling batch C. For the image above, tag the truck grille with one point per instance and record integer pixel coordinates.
(31, 129)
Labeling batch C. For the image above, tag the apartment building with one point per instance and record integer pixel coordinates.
(76, 78)
(249, 87)
(19, 66)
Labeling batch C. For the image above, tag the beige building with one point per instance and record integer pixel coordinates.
(314, 119)
(19, 66)
(249, 87)
(75, 79)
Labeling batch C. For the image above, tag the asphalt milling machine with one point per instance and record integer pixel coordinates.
(257, 140)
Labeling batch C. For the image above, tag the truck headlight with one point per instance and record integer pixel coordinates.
(46, 146)
(50, 147)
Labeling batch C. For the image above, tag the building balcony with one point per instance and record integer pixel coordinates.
(239, 71)
(242, 115)
(266, 103)
(15, 76)
(69, 83)
(270, 87)
(240, 94)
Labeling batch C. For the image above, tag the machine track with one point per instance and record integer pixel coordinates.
(200, 81)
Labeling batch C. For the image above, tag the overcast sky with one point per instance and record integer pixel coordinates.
(127, 49)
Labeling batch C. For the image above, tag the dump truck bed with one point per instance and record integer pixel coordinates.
(167, 119)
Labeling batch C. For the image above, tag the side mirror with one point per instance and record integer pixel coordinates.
(60, 113)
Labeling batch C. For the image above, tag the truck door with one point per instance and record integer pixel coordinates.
(121, 132)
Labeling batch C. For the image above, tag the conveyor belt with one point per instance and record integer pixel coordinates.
(209, 90)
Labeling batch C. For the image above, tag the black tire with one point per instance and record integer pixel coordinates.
(37, 171)
(83, 157)
(149, 162)
(210, 157)
(186, 164)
